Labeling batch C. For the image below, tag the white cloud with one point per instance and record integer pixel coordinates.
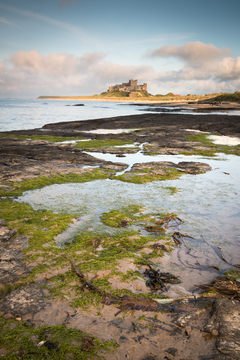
(6, 21)
(32, 74)
(191, 52)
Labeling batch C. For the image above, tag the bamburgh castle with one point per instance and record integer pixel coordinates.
(132, 85)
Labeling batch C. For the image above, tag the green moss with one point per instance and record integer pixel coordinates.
(91, 252)
(233, 274)
(212, 148)
(172, 189)
(48, 138)
(40, 226)
(101, 144)
(145, 176)
(20, 341)
(121, 217)
(231, 97)
(18, 188)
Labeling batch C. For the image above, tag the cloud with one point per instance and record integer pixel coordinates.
(30, 73)
(6, 21)
(191, 52)
(47, 19)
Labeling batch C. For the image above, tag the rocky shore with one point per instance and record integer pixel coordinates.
(101, 294)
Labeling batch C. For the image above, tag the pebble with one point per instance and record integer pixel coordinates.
(215, 332)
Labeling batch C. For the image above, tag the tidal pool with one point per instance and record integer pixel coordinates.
(209, 205)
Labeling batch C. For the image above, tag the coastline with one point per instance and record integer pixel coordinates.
(41, 272)
(194, 104)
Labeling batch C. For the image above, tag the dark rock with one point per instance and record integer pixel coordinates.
(193, 167)
(6, 234)
(225, 320)
(78, 105)
(25, 300)
(171, 351)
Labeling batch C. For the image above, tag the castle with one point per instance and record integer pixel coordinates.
(132, 85)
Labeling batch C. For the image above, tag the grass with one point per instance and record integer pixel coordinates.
(48, 138)
(21, 341)
(101, 144)
(232, 97)
(18, 188)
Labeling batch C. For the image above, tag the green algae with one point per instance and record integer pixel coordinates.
(121, 217)
(149, 175)
(212, 148)
(47, 138)
(232, 274)
(101, 143)
(172, 189)
(40, 226)
(20, 340)
(17, 188)
(91, 251)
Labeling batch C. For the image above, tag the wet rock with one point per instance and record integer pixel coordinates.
(3, 222)
(192, 167)
(5, 233)
(22, 301)
(225, 321)
(11, 266)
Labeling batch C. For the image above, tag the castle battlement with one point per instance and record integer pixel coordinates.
(131, 85)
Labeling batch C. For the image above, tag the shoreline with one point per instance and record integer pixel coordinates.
(194, 104)
(207, 322)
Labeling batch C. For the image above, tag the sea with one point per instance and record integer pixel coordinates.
(22, 114)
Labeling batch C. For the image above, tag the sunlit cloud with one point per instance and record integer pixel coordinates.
(30, 73)
(191, 52)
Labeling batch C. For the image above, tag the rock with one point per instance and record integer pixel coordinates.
(11, 265)
(25, 300)
(192, 167)
(6, 234)
(224, 324)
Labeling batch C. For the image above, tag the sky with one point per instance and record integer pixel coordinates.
(80, 47)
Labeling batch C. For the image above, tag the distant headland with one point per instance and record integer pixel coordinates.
(132, 92)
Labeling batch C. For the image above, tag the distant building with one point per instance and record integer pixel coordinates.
(132, 85)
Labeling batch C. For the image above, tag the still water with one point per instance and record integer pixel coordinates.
(209, 205)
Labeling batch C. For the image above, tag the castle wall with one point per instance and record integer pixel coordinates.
(132, 85)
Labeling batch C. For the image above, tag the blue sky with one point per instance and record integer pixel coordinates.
(180, 46)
